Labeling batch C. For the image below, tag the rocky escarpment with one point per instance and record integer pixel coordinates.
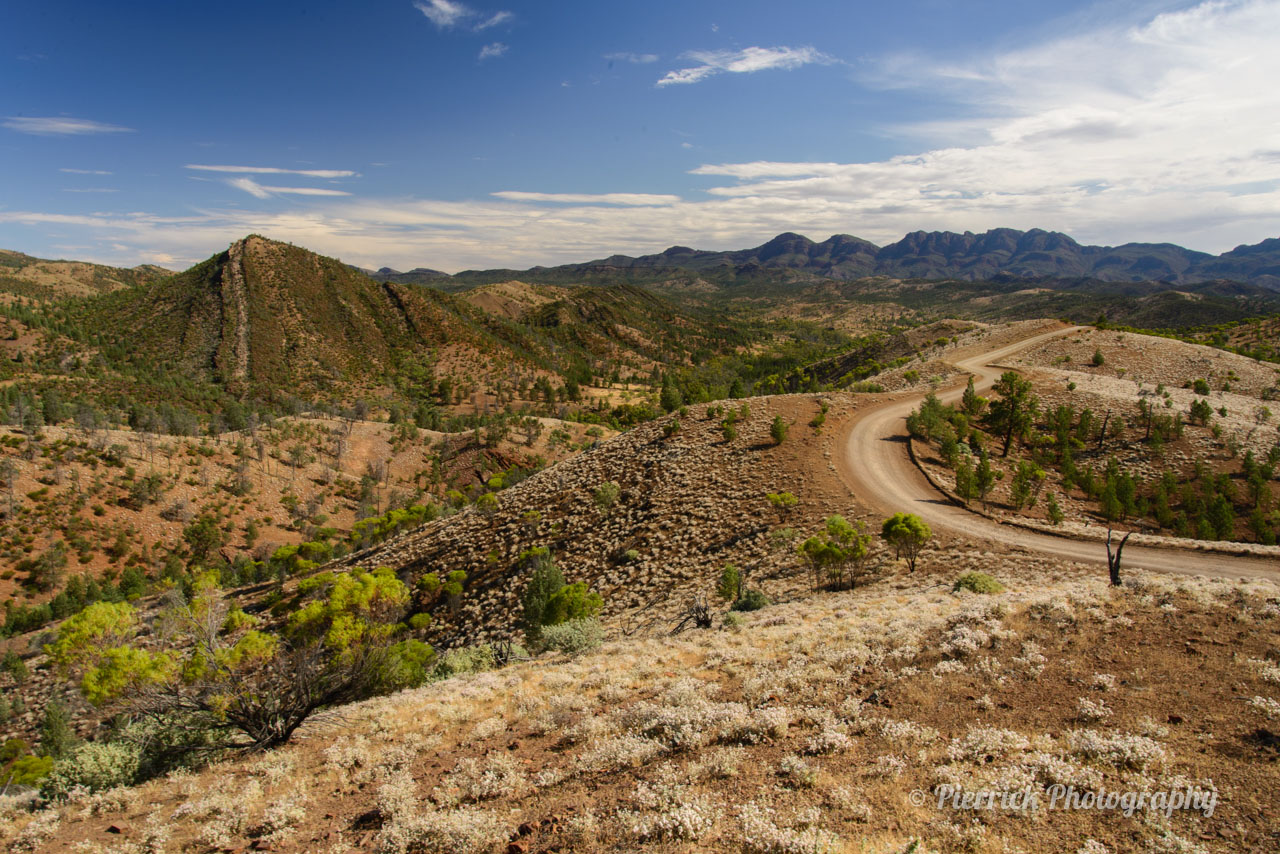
(688, 505)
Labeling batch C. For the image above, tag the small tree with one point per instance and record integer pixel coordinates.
(210, 684)
(783, 503)
(843, 550)
(729, 587)
(778, 430)
(1014, 411)
(907, 533)
(203, 536)
(1054, 510)
(487, 506)
(545, 579)
(970, 402)
(1098, 359)
(606, 495)
(984, 478)
(56, 736)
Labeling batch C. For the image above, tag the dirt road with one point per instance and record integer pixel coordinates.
(876, 466)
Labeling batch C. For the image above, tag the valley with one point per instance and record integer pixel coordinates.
(739, 658)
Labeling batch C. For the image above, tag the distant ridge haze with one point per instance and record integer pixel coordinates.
(947, 255)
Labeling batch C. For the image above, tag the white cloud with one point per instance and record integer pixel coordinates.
(492, 51)
(743, 61)
(85, 171)
(443, 13)
(257, 190)
(1150, 131)
(633, 58)
(447, 14)
(60, 126)
(496, 19)
(589, 198)
(272, 170)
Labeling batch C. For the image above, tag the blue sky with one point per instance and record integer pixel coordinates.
(483, 134)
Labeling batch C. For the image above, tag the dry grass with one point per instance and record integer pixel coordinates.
(804, 731)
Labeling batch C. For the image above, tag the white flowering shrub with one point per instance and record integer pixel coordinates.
(489, 727)
(889, 765)
(669, 811)
(1051, 769)
(827, 741)
(761, 834)
(719, 763)
(983, 744)
(280, 820)
(1103, 682)
(1121, 750)
(615, 754)
(36, 832)
(408, 825)
(1091, 711)
(92, 767)
(1266, 670)
(1031, 660)
(797, 773)
(1267, 706)
(908, 731)
(471, 780)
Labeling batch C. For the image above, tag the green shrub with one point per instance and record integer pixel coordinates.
(570, 603)
(752, 600)
(778, 430)
(407, 664)
(468, 659)
(29, 770)
(730, 584)
(978, 582)
(573, 636)
(95, 766)
(732, 620)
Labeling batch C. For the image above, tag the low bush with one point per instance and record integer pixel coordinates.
(469, 659)
(752, 600)
(94, 766)
(573, 636)
(978, 582)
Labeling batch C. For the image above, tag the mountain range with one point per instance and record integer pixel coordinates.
(997, 253)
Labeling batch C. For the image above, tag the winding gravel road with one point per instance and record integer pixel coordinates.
(877, 468)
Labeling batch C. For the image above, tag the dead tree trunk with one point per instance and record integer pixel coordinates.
(1113, 560)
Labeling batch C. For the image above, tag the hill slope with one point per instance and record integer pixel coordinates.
(37, 278)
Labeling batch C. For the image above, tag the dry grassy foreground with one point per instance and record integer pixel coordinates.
(804, 728)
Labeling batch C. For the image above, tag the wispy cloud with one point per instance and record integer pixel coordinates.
(447, 14)
(492, 51)
(60, 126)
(745, 61)
(494, 20)
(633, 58)
(273, 170)
(636, 199)
(260, 191)
(85, 171)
